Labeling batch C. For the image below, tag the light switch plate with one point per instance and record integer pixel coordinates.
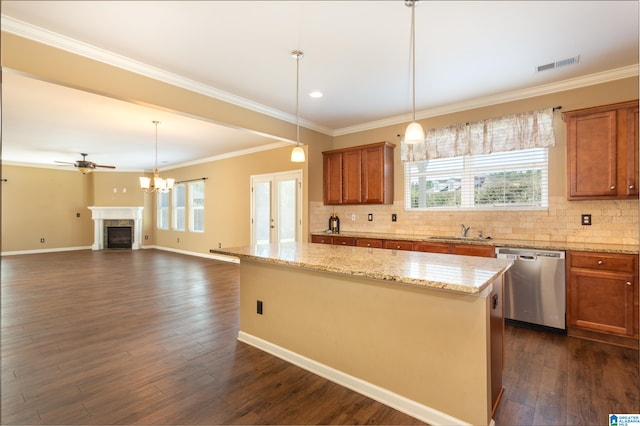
(586, 220)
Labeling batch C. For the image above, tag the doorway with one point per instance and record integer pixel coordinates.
(276, 207)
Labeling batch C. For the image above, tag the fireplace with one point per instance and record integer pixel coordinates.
(122, 224)
(119, 237)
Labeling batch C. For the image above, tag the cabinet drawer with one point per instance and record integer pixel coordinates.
(604, 262)
(369, 242)
(431, 247)
(344, 241)
(474, 250)
(398, 245)
(321, 239)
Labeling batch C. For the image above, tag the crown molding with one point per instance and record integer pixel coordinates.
(50, 38)
(574, 83)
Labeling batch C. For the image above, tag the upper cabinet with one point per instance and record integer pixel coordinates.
(602, 152)
(359, 175)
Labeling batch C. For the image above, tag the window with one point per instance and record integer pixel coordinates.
(162, 208)
(196, 207)
(178, 199)
(515, 179)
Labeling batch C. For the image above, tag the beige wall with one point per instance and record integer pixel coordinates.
(43, 203)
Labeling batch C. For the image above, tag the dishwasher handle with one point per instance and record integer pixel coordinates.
(527, 257)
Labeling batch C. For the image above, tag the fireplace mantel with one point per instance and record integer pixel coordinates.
(99, 214)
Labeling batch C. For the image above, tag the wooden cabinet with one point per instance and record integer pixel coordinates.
(344, 241)
(321, 239)
(369, 242)
(602, 152)
(359, 175)
(431, 247)
(398, 245)
(602, 297)
(473, 250)
(455, 248)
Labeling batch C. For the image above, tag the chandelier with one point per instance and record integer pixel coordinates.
(159, 184)
(297, 154)
(414, 133)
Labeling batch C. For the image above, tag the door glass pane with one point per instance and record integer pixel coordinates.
(287, 210)
(262, 214)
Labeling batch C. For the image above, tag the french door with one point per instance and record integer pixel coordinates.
(276, 207)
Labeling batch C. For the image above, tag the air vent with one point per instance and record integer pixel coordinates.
(562, 63)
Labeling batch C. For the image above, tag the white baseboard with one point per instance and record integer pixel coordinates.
(384, 396)
(51, 250)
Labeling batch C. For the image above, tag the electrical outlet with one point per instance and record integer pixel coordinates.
(259, 307)
(370, 217)
(146, 237)
(77, 214)
(394, 217)
(586, 219)
(219, 245)
(178, 240)
(353, 217)
(42, 240)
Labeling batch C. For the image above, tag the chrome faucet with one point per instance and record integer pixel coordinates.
(465, 229)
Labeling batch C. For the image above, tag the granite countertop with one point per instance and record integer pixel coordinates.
(462, 274)
(542, 245)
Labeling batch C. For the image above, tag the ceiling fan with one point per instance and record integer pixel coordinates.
(85, 166)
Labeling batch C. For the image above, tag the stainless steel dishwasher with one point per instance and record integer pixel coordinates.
(534, 291)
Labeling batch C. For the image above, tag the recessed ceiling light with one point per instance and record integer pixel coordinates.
(316, 94)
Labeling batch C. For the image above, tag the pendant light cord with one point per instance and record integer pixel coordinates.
(298, 99)
(413, 55)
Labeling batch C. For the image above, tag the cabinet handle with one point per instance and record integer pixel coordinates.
(628, 282)
(632, 186)
(600, 262)
(613, 187)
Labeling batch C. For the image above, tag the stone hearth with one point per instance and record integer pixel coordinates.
(100, 214)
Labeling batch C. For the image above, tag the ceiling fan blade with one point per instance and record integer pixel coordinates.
(106, 167)
(65, 162)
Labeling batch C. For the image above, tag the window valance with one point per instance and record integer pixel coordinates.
(525, 130)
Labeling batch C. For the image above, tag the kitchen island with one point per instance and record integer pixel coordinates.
(420, 332)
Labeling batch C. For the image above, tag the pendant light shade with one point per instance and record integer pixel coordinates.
(297, 154)
(415, 132)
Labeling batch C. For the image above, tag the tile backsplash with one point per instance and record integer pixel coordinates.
(613, 222)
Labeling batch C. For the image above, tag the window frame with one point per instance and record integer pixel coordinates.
(160, 223)
(176, 209)
(192, 208)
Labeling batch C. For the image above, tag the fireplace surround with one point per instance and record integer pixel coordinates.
(102, 214)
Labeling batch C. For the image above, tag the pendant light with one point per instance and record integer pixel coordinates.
(414, 133)
(159, 184)
(297, 154)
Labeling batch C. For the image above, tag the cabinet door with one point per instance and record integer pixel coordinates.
(352, 177)
(592, 155)
(601, 301)
(473, 250)
(373, 175)
(631, 152)
(332, 173)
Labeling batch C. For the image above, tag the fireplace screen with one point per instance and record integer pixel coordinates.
(119, 236)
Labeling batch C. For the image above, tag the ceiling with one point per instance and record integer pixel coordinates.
(357, 53)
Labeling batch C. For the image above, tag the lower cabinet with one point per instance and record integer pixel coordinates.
(454, 248)
(322, 239)
(369, 242)
(602, 297)
(398, 245)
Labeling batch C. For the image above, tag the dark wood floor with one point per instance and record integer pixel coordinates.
(149, 337)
